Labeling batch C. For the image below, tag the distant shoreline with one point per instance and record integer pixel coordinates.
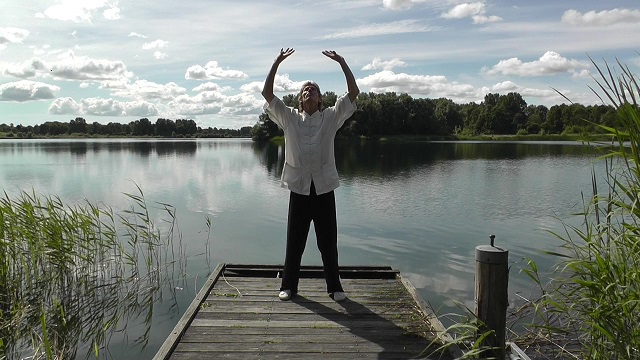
(77, 137)
(533, 137)
(381, 138)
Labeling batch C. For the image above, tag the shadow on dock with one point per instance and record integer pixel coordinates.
(396, 342)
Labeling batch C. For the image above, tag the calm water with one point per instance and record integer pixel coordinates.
(419, 207)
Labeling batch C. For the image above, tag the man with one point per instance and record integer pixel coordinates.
(310, 172)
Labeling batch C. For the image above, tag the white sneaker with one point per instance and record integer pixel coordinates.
(284, 295)
(339, 296)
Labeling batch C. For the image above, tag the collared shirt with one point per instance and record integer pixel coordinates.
(309, 143)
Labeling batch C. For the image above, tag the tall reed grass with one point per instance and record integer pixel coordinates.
(71, 275)
(591, 307)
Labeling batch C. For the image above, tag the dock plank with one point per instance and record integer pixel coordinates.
(239, 316)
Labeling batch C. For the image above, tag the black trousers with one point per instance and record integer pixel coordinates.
(321, 209)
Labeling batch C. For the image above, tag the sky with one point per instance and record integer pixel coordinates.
(120, 60)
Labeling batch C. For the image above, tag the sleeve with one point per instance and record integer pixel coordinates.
(278, 112)
(344, 108)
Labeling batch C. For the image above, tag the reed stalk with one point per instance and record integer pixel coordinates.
(71, 275)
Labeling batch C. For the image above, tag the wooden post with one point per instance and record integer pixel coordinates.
(491, 300)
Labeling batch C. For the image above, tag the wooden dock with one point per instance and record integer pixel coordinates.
(237, 315)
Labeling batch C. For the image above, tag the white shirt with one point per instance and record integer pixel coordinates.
(309, 143)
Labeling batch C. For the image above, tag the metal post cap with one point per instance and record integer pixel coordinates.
(491, 254)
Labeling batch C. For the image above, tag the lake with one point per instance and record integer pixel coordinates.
(420, 207)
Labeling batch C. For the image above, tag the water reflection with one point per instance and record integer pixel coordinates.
(366, 158)
(80, 148)
(271, 156)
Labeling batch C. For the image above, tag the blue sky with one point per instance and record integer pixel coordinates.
(108, 60)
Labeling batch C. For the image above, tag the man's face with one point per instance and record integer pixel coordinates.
(310, 92)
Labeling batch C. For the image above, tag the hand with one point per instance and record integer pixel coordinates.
(333, 56)
(284, 54)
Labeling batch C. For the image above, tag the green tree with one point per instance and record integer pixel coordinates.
(471, 114)
(77, 126)
(54, 128)
(506, 113)
(142, 127)
(265, 128)
(96, 128)
(536, 116)
(555, 119)
(329, 99)
(448, 116)
(186, 127)
(113, 128)
(164, 127)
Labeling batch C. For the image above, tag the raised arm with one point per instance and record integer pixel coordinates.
(267, 90)
(352, 87)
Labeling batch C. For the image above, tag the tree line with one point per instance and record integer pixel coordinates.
(377, 115)
(143, 127)
(393, 114)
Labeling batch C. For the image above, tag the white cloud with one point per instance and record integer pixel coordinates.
(377, 29)
(509, 86)
(72, 67)
(27, 69)
(255, 86)
(101, 107)
(550, 63)
(135, 34)
(38, 51)
(25, 90)
(209, 86)
(80, 10)
(215, 102)
(159, 55)
(399, 4)
(187, 105)
(209, 97)
(66, 105)
(582, 74)
(601, 18)
(438, 86)
(68, 67)
(12, 35)
(425, 85)
(212, 71)
(476, 11)
(281, 83)
(157, 44)
(140, 108)
(242, 104)
(378, 63)
(143, 89)
(465, 10)
(547, 95)
(112, 13)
